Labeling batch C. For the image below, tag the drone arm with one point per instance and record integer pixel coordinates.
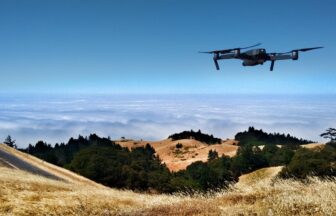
(227, 56)
(217, 57)
(280, 57)
(275, 57)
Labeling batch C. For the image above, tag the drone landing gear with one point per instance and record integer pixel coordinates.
(272, 65)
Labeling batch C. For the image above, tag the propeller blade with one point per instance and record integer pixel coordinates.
(216, 64)
(230, 50)
(307, 49)
(258, 44)
(302, 50)
(272, 65)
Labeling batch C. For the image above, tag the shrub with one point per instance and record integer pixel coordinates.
(306, 162)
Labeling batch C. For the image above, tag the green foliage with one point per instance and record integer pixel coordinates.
(332, 144)
(113, 166)
(214, 175)
(62, 154)
(212, 155)
(269, 151)
(258, 137)
(181, 183)
(101, 160)
(306, 162)
(282, 156)
(208, 139)
(330, 134)
(248, 159)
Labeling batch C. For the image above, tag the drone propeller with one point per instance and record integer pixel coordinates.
(230, 50)
(258, 44)
(302, 50)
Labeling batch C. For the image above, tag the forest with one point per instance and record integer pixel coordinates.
(139, 169)
(259, 137)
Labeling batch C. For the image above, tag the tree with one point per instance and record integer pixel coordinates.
(282, 156)
(330, 134)
(8, 141)
(248, 159)
(213, 154)
(311, 162)
(269, 151)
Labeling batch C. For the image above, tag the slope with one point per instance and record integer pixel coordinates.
(20, 160)
(179, 158)
(23, 193)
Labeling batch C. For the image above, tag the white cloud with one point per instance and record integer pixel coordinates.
(56, 119)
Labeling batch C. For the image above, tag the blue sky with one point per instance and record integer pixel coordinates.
(144, 46)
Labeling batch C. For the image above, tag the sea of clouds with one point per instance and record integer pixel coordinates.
(29, 118)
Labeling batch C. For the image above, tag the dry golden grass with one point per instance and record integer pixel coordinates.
(313, 145)
(4, 163)
(22, 193)
(57, 171)
(265, 175)
(191, 151)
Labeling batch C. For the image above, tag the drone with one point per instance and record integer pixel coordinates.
(254, 57)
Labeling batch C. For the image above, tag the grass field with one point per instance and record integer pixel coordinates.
(22, 193)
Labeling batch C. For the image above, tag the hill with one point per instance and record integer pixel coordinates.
(264, 175)
(191, 150)
(258, 192)
(23, 193)
(40, 167)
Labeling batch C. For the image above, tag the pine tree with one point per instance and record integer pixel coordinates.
(8, 141)
(330, 134)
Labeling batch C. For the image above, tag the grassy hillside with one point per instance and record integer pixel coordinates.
(191, 150)
(22, 193)
(56, 170)
(137, 166)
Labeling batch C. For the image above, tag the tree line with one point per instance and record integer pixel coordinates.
(259, 137)
(202, 137)
(140, 169)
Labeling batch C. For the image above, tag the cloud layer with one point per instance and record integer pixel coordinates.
(55, 119)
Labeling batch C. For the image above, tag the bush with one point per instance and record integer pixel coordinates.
(306, 162)
(248, 159)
